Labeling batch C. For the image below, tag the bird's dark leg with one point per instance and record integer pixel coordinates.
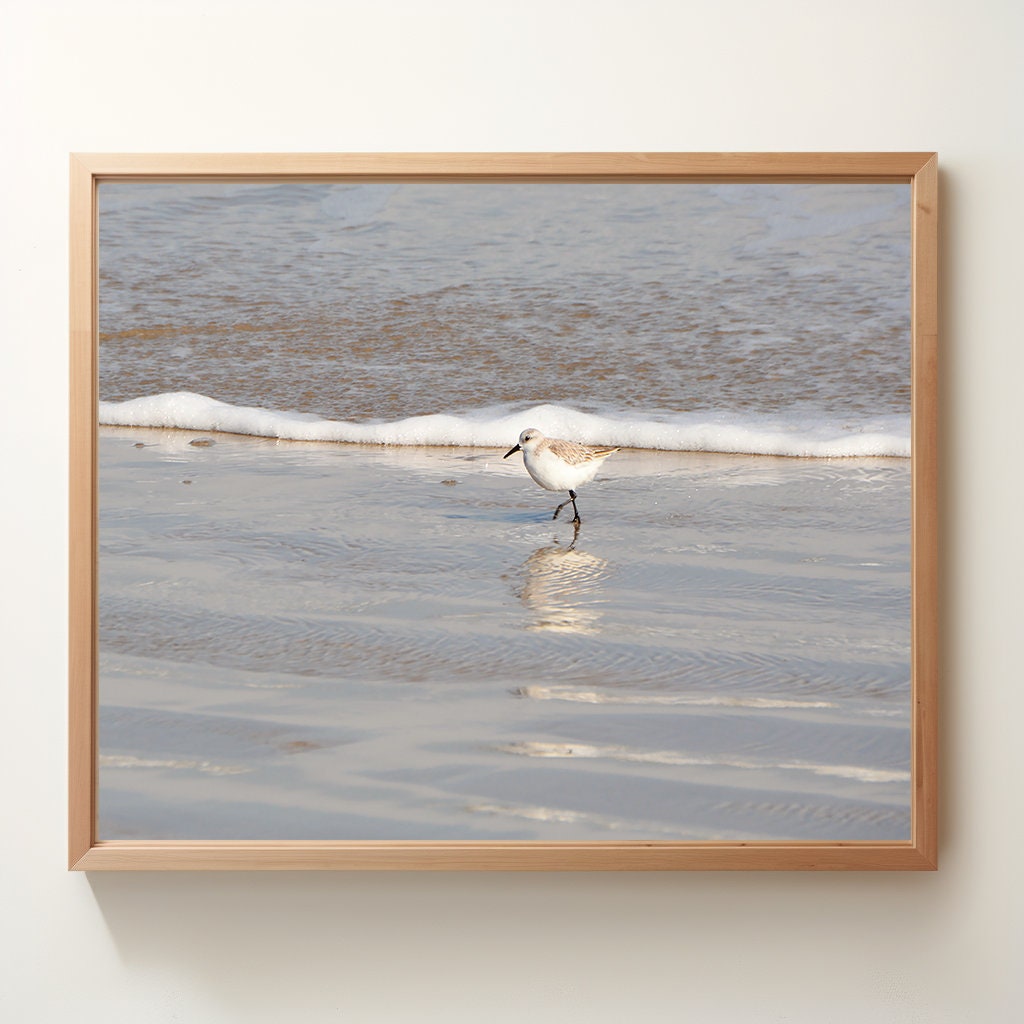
(576, 517)
(572, 498)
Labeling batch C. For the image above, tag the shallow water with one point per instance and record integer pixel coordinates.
(352, 642)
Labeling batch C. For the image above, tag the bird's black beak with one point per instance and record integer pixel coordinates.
(512, 451)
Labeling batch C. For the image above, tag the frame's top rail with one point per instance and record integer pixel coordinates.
(539, 167)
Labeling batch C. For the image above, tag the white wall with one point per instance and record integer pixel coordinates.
(553, 75)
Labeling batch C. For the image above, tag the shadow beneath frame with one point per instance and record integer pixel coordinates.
(382, 945)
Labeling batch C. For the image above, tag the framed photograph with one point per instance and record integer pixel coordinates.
(504, 511)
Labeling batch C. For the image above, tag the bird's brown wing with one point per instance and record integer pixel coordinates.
(573, 453)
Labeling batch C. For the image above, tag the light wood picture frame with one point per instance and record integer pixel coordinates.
(89, 850)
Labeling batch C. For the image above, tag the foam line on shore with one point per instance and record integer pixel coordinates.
(798, 436)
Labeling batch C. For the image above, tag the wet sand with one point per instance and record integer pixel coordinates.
(331, 641)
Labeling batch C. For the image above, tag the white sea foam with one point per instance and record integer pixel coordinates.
(801, 436)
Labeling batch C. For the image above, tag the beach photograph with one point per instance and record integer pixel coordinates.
(505, 511)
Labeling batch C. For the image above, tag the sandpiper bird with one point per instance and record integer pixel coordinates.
(559, 465)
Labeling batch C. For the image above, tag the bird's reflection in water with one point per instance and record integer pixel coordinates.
(561, 586)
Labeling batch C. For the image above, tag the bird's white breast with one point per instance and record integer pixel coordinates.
(554, 474)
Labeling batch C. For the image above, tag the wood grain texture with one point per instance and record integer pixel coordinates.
(82, 565)
(487, 856)
(507, 166)
(925, 597)
(920, 853)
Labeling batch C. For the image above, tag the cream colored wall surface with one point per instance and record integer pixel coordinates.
(553, 75)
